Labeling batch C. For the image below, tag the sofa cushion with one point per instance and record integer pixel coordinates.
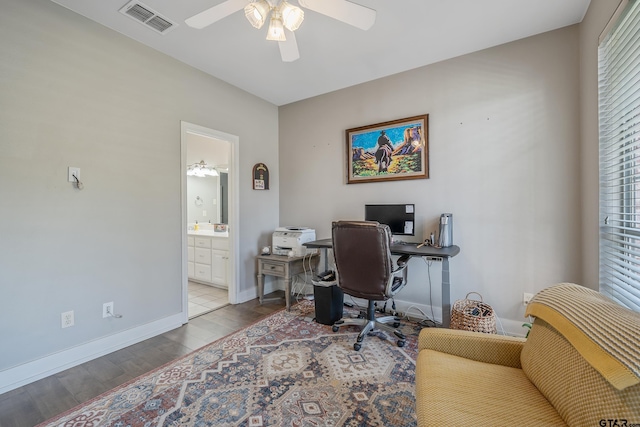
(602, 331)
(488, 348)
(580, 394)
(452, 390)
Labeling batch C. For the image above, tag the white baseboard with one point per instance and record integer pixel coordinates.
(29, 372)
(513, 327)
(252, 293)
(421, 311)
(247, 295)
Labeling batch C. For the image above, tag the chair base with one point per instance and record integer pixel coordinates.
(370, 324)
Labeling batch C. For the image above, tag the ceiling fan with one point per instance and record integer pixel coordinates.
(285, 18)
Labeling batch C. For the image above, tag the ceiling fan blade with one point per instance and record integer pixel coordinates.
(289, 48)
(215, 13)
(350, 13)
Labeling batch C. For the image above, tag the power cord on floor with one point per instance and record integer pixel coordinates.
(354, 304)
(425, 323)
(499, 321)
(298, 286)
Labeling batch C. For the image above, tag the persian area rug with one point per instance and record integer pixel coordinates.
(281, 371)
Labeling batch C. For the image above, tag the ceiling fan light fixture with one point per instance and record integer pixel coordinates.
(292, 16)
(256, 12)
(276, 29)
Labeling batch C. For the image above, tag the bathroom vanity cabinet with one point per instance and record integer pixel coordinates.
(208, 259)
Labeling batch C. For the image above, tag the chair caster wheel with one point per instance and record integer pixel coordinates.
(396, 324)
(357, 346)
(401, 343)
(335, 329)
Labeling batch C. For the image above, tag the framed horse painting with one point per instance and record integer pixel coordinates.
(389, 151)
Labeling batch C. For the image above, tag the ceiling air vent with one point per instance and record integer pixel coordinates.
(147, 16)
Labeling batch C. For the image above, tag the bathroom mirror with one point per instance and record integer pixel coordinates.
(210, 195)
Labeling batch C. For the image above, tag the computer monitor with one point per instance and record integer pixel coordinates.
(400, 218)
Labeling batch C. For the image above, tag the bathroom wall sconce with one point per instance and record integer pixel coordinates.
(201, 169)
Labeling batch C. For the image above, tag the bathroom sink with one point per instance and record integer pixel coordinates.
(207, 233)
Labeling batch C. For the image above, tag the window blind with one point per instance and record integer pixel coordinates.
(619, 116)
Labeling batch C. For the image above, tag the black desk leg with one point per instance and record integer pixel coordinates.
(446, 294)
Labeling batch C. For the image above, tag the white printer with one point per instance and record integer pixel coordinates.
(291, 239)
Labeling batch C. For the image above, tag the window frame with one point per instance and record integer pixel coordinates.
(619, 155)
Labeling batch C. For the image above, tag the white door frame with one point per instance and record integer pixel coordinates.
(234, 215)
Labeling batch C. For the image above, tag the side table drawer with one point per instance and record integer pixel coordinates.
(274, 269)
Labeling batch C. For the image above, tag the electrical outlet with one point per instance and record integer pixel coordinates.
(107, 309)
(526, 298)
(66, 319)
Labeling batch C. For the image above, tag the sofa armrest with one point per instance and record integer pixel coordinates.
(488, 348)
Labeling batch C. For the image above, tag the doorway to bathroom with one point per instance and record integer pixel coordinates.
(209, 219)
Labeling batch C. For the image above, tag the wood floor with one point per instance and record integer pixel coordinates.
(43, 399)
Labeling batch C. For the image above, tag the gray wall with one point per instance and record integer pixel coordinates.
(74, 93)
(504, 159)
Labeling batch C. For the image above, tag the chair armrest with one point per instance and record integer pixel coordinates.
(488, 348)
(398, 277)
(402, 261)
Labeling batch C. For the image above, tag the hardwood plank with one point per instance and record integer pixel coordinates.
(81, 383)
(18, 409)
(40, 391)
(48, 397)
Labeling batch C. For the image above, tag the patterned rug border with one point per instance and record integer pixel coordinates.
(159, 368)
(299, 311)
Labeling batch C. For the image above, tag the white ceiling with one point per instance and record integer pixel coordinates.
(407, 34)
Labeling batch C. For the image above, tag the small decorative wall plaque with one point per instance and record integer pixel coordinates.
(260, 177)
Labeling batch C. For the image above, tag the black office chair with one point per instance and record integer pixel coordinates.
(365, 270)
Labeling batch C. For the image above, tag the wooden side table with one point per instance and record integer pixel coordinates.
(285, 267)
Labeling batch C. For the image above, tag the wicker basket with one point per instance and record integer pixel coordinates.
(473, 315)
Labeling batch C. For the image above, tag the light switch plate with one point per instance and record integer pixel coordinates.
(73, 171)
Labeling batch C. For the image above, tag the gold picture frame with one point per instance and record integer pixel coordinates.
(389, 151)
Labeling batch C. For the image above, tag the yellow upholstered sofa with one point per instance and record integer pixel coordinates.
(580, 366)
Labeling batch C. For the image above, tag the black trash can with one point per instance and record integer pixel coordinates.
(328, 302)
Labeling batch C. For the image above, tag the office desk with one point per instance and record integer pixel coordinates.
(441, 254)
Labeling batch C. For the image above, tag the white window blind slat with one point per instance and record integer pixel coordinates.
(621, 264)
(619, 120)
